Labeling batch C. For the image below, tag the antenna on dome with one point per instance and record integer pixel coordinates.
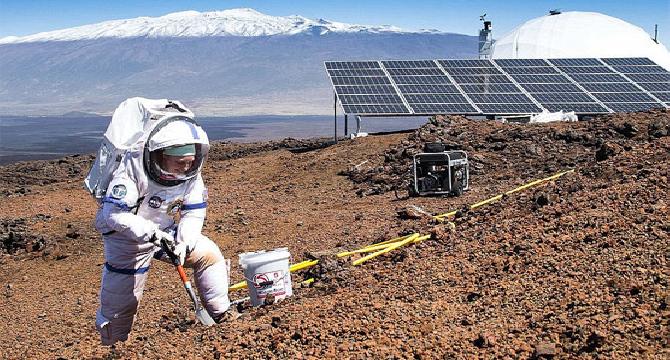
(554, 12)
(656, 33)
(485, 38)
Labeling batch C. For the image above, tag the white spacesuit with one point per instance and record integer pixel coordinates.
(147, 200)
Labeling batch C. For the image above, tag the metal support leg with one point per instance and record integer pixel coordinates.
(335, 107)
(346, 125)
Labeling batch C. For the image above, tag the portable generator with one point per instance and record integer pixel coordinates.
(440, 172)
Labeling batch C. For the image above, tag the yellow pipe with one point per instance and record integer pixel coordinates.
(398, 244)
(370, 248)
(498, 197)
(391, 241)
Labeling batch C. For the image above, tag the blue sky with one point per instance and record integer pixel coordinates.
(23, 17)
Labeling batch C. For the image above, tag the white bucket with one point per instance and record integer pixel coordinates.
(267, 272)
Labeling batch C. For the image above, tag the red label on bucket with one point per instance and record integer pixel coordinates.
(269, 282)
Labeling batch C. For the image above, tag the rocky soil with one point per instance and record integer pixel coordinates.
(575, 268)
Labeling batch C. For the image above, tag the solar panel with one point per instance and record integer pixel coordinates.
(499, 87)
(370, 99)
(473, 71)
(629, 69)
(352, 65)
(367, 89)
(436, 98)
(651, 86)
(575, 62)
(509, 108)
(359, 80)
(409, 64)
(490, 88)
(641, 78)
(663, 96)
(540, 79)
(598, 78)
(415, 71)
(632, 107)
(481, 79)
(465, 63)
(544, 98)
(614, 87)
(499, 98)
(429, 89)
(550, 88)
(531, 70)
(409, 79)
(585, 108)
(389, 109)
(623, 97)
(356, 72)
(586, 69)
(627, 61)
(444, 109)
(521, 62)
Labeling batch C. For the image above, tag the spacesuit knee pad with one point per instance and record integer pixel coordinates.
(205, 254)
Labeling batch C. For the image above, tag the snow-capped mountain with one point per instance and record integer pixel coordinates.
(232, 62)
(234, 22)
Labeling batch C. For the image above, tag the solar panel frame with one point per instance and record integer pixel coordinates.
(498, 87)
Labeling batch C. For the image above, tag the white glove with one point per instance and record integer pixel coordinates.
(181, 250)
(160, 236)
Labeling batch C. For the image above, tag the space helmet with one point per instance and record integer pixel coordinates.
(175, 151)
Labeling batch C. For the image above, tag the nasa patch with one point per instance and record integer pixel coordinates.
(119, 191)
(155, 202)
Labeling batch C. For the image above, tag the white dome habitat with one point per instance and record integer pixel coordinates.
(579, 35)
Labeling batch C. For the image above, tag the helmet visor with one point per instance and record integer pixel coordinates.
(177, 163)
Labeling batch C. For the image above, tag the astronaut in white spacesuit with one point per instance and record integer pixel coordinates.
(157, 194)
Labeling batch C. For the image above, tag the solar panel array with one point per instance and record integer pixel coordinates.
(500, 86)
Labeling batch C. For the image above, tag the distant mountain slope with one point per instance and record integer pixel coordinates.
(216, 75)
